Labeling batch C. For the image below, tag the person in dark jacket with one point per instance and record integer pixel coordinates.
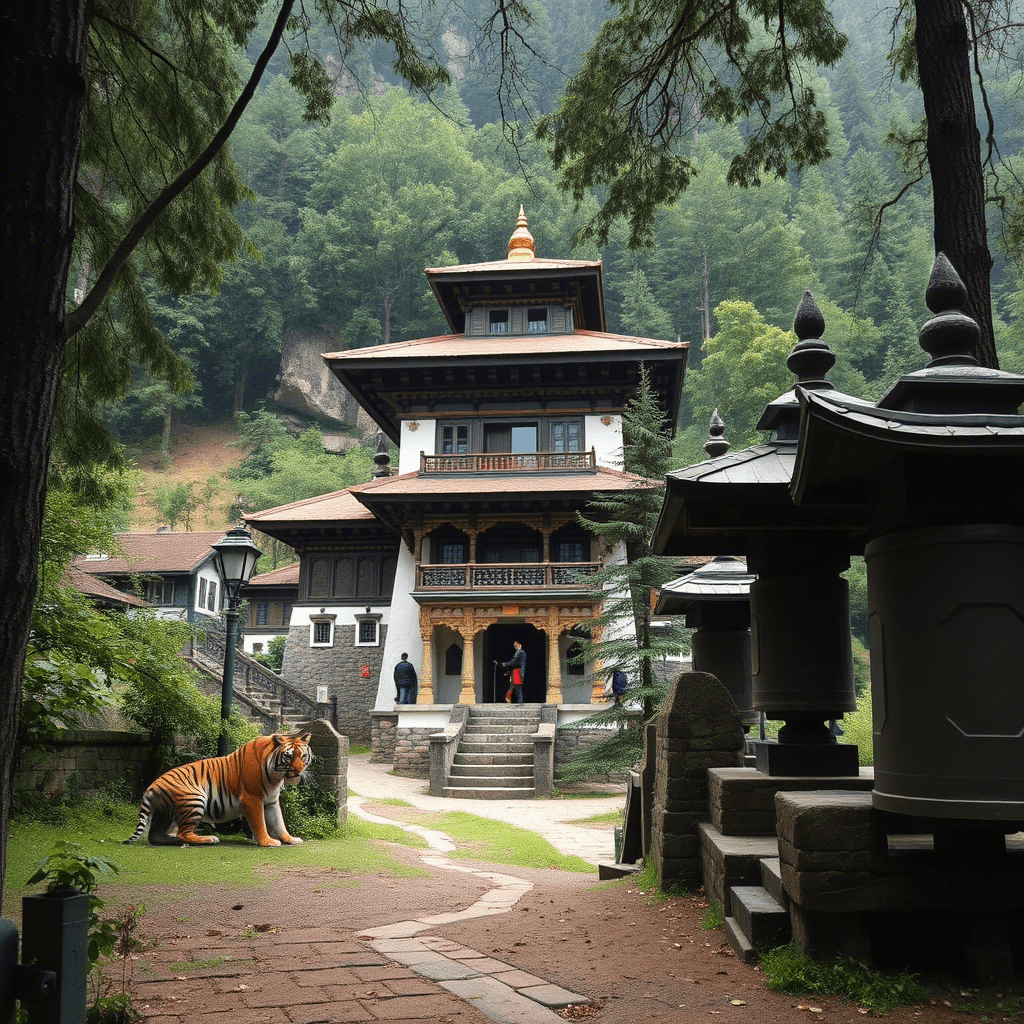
(518, 665)
(619, 684)
(405, 680)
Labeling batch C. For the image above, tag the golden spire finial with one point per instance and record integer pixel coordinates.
(520, 245)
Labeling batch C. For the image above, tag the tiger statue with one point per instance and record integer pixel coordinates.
(247, 781)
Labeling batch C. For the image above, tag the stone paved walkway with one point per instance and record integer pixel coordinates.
(396, 972)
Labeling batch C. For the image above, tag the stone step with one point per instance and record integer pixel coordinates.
(510, 771)
(758, 916)
(490, 736)
(522, 749)
(503, 721)
(489, 793)
(738, 941)
(728, 861)
(485, 781)
(771, 879)
(493, 757)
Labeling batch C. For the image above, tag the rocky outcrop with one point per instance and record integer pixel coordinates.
(307, 387)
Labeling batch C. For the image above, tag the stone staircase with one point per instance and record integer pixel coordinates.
(495, 756)
(268, 701)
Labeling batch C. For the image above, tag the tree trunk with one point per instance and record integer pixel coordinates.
(385, 292)
(165, 439)
(954, 156)
(44, 94)
(240, 381)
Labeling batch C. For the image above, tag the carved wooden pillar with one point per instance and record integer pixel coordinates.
(427, 668)
(554, 694)
(597, 694)
(468, 693)
(472, 545)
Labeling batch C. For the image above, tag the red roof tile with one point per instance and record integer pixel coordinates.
(286, 575)
(95, 588)
(338, 505)
(459, 346)
(154, 553)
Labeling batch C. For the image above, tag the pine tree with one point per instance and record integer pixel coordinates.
(622, 636)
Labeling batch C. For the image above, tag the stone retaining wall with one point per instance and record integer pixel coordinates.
(383, 734)
(89, 759)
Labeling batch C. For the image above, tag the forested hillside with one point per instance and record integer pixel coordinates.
(343, 218)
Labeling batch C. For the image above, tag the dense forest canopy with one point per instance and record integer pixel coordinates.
(343, 217)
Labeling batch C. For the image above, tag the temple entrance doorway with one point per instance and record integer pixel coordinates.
(498, 647)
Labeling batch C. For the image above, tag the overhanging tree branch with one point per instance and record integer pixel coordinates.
(77, 319)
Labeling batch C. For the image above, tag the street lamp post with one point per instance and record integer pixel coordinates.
(236, 558)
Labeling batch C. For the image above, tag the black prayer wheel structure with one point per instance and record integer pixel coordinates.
(939, 464)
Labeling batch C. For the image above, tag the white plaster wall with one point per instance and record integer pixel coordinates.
(248, 639)
(412, 442)
(403, 631)
(606, 440)
(346, 614)
(209, 573)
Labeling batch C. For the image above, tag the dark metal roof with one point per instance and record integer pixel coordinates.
(723, 579)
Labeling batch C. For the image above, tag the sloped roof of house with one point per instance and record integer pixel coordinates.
(285, 576)
(149, 552)
(98, 590)
(461, 346)
(338, 506)
(452, 486)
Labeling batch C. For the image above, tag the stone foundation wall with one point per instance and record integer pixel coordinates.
(95, 758)
(697, 728)
(383, 734)
(412, 752)
(569, 741)
(339, 668)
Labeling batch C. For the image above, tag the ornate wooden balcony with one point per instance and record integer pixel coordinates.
(505, 575)
(504, 462)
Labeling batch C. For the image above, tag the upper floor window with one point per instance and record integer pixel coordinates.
(211, 597)
(566, 436)
(160, 592)
(537, 321)
(455, 439)
(498, 320)
(262, 613)
(453, 553)
(201, 603)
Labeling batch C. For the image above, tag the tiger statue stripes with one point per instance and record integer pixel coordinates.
(247, 781)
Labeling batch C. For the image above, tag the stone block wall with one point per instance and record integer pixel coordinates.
(94, 757)
(569, 741)
(383, 734)
(697, 728)
(330, 764)
(412, 752)
(339, 669)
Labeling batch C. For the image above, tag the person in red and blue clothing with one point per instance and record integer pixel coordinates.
(518, 665)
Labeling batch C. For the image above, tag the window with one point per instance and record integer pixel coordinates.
(566, 436)
(160, 592)
(321, 632)
(211, 597)
(537, 321)
(569, 551)
(262, 613)
(257, 648)
(201, 603)
(510, 437)
(455, 439)
(368, 631)
(453, 553)
(499, 321)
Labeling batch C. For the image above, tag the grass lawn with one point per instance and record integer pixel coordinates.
(236, 860)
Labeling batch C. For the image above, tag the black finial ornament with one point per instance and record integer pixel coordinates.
(811, 358)
(381, 458)
(716, 443)
(950, 335)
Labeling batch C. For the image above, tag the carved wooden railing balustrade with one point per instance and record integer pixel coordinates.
(504, 462)
(502, 575)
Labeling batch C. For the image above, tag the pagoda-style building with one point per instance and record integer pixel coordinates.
(506, 427)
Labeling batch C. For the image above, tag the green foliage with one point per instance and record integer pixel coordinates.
(273, 657)
(619, 125)
(624, 585)
(181, 502)
(67, 865)
(789, 970)
(279, 468)
(646, 882)
(310, 810)
(714, 917)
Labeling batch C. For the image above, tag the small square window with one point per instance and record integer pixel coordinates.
(257, 648)
(321, 633)
(537, 321)
(499, 321)
(367, 632)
